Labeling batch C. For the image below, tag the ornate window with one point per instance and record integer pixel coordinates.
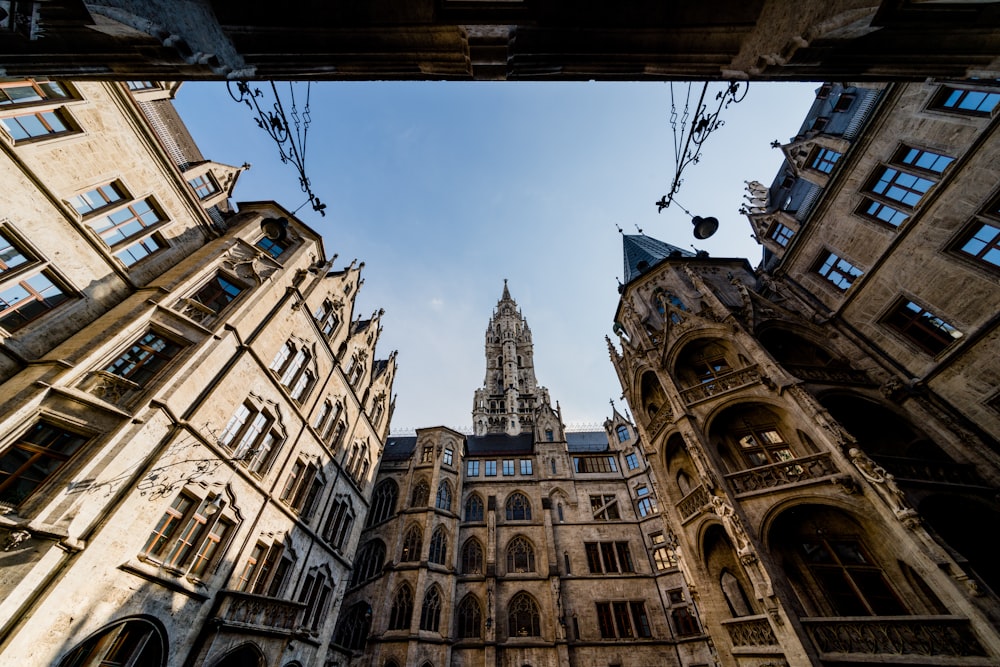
(292, 365)
(605, 507)
(469, 616)
(327, 318)
(132, 642)
(443, 500)
(761, 445)
(522, 617)
(339, 523)
(625, 620)
(383, 502)
(252, 436)
(622, 432)
(354, 626)
(921, 326)
(518, 507)
(144, 359)
(191, 535)
(218, 292)
(474, 508)
(852, 582)
(421, 494)
(402, 608)
(411, 544)
(430, 611)
(439, 546)
(369, 561)
(34, 458)
(262, 571)
(315, 594)
(520, 556)
(472, 557)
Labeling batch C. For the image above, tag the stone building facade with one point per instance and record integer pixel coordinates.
(521, 544)
(825, 427)
(191, 413)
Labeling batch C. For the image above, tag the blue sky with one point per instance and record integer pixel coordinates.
(444, 189)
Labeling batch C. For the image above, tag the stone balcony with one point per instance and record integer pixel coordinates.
(930, 640)
(932, 472)
(196, 311)
(258, 614)
(750, 632)
(828, 375)
(692, 503)
(111, 388)
(721, 384)
(786, 473)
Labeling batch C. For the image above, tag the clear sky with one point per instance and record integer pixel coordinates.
(444, 189)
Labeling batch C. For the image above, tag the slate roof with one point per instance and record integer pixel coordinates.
(499, 444)
(399, 447)
(587, 441)
(643, 252)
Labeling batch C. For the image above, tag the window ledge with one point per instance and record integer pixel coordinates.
(152, 571)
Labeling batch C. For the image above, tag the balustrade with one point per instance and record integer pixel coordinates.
(930, 636)
(750, 631)
(721, 384)
(940, 472)
(692, 502)
(258, 613)
(110, 387)
(781, 474)
(196, 311)
(828, 374)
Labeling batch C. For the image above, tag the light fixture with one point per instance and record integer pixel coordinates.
(213, 507)
(276, 229)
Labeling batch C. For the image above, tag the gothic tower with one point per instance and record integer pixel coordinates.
(510, 395)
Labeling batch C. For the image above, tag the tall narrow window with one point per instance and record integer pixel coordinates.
(474, 508)
(470, 618)
(644, 500)
(439, 547)
(369, 562)
(622, 433)
(443, 500)
(411, 544)
(472, 469)
(190, 535)
(383, 502)
(523, 619)
(430, 611)
(421, 494)
(402, 609)
(491, 468)
(327, 318)
(518, 508)
(472, 557)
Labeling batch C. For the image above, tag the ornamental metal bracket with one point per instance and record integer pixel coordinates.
(689, 137)
(291, 142)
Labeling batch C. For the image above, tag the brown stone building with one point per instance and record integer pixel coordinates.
(521, 544)
(824, 429)
(501, 39)
(190, 412)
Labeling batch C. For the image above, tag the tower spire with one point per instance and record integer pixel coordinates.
(510, 395)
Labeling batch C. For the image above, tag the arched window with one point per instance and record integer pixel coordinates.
(736, 598)
(132, 642)
(411, 544)
(369, 562)
(421, 494)
(439, 546)
(622, 432)
(518, 507)
(383, 502)
(430, 612)
(522, 617)
(472, 557)
(402, 609)
(443, 500)
(354, 625)
(520, 555)
(470, 618)
(474, 508)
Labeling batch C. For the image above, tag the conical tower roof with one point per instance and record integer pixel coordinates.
(643, 252)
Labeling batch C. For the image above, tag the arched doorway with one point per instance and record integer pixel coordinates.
(137, 642)
(244, 655)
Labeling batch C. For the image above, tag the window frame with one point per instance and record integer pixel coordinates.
(836, 271)
(186, 540)
(36, 451)
(946, 93)
(893, 320)
(57, 122)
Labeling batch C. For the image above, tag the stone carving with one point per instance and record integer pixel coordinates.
(927, 636)
(886, 483)
(751, 632)
(248, 263)
(722, 384)
(733, 523)
(15, 538)
(781, 474)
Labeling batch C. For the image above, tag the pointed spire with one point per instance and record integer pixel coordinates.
(642, 253)
(506, 292)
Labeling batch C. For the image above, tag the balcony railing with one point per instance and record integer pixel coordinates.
(782, 474)
(828, 375)
(196, 311)
(256, 613)
(692, 502)
(721, 384)
(938, 472)
(111, 388)
(872, 638)
(750, 631)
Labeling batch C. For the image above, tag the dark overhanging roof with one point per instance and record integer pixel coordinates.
(641, 253)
